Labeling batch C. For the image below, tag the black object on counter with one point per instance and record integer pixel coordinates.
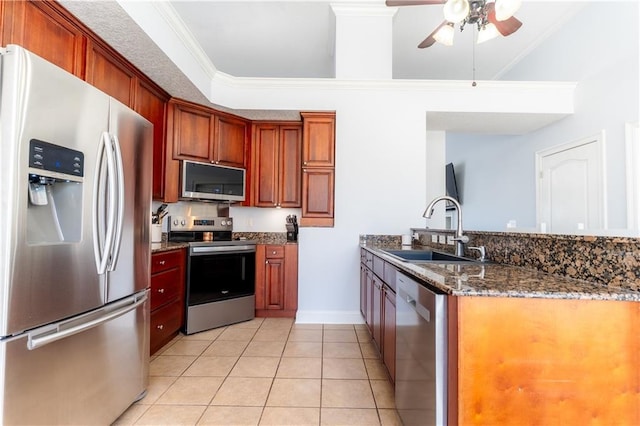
(292, 228)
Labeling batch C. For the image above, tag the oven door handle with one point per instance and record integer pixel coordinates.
(199, 251)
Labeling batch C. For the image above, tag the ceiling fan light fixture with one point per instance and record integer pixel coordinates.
(456, 10)
(445, 34)
(487, 33)
(505, 9)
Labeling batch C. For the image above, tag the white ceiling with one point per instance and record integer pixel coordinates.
(296, 39)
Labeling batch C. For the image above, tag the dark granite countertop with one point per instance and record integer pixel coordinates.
(166, 246)
(496, 280)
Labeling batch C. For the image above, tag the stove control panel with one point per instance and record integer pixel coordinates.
(200, 223)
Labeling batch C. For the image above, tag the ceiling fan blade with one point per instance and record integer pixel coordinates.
(427, 42)
(506, 27)
(394, 3)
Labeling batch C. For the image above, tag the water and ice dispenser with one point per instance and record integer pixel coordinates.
(55, 180)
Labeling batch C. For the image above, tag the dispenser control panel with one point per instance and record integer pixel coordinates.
(47, 156)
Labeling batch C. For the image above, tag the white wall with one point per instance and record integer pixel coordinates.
(384, 172)
(599, 49)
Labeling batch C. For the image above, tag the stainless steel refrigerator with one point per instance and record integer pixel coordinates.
(75, 199)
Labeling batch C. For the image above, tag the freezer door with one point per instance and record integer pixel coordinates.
(47, 266)
(87, 370)
(129, 267)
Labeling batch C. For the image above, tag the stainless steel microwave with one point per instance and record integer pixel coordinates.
(212, 182)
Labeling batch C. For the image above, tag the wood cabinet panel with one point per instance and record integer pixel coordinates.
(167, 296)
(318, 143)
(276, 280)
(45, 29)
(105, 71)
(555, 361)
(193, 130)
(276, 165)
(318, 173)
(265, 165)
(230, 141)
(389, 332)
(376, 312)
(152, 105)
(317, 197)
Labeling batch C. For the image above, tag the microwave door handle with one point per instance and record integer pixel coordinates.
(119, 201)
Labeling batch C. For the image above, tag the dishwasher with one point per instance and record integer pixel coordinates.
(421, 354)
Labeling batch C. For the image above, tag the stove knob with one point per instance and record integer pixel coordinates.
(175, 222)
(229, 222)
(183, 222)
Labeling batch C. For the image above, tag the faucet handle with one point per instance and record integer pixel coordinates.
(462, 238)
(482, 250)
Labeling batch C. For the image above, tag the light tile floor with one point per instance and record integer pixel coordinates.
(268, 372)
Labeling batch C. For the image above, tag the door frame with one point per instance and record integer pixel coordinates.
(599, 140)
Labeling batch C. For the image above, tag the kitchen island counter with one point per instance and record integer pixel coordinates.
(498, 280)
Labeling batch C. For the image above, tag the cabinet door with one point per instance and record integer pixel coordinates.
(192, 133)
(109, 74)
(363, 291)
(389, 332)
(317, 197)
(45, 29)
(291, 279)
(265, 165)
(274, 284)
(318, 141)
(376, 309)
(230, 141)
(152, 106)
(289, 176)
(369, 295)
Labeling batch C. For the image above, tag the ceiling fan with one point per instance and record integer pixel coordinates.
(492, 18)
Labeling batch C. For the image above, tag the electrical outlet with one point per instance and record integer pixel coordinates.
(434, 238)
(449, 240)
(442, 239)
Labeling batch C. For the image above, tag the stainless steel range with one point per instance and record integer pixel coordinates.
(220, 272)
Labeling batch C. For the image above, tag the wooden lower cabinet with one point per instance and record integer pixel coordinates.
(544, 361)
(276, 280)
(378, 306)
(167, 296)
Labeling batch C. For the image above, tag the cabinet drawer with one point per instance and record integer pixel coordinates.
(166, 260)
(378, 267)
(274, 252)
(164, 323)
(165, 286)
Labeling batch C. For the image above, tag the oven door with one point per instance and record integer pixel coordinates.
(217, 273)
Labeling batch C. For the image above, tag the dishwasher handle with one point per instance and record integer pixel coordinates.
(421, 310)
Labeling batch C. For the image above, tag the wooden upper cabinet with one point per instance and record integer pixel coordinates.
(203, 134)
(318, 169)
(319, 139)
(45, 29)
(106, 71)
(151, 104)
(231, 141)
(276, 165)
(193, 130)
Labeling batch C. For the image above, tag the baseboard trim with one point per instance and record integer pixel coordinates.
(329, 317)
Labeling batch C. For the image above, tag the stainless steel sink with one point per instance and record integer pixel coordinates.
(425, 256)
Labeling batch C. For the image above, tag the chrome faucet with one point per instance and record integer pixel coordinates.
(460, 238)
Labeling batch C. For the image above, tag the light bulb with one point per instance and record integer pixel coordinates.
(445, 34)
(456, 10)
(505, 9)
(487, 33)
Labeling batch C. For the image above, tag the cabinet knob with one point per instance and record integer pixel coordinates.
(161, 290)
(274, 252)
(162, 262)
(267, 262)
(160, 327)
(305, 163)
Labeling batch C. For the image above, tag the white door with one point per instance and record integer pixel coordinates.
(570, 187)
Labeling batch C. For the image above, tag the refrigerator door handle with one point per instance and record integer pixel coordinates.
(120, 203)
(64, 329)
(102, 254)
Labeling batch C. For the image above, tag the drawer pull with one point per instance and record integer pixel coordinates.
(160, 327)
(161, 290)
(274, 252)
(162, 262)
